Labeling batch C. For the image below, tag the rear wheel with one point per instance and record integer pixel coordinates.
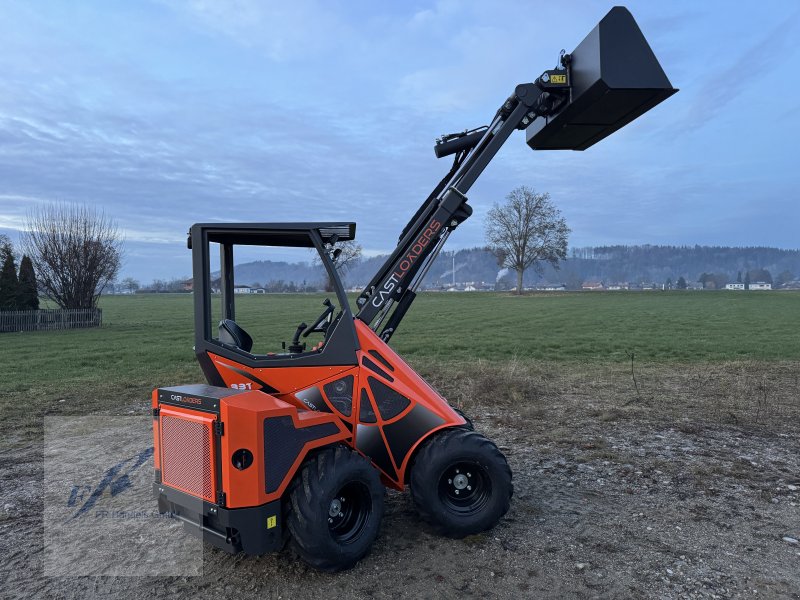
(461, 483)
(335, 509)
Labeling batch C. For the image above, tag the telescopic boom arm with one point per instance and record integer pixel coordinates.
(396, 282)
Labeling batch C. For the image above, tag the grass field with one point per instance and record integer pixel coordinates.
(153, 331)
(146, 340)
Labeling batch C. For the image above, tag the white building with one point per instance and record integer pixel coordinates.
(734, 286)
(760, 285)
(242, 289)
(559, 287)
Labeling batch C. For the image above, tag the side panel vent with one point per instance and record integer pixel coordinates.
(365, 412)
(376, 369)
(340, 394)
(379, 357)
(390, 402)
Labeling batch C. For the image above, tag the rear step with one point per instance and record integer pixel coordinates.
(216, 538)
(255, 530)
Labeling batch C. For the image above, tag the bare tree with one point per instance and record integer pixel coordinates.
(76, 250)
(527, 231)
(130, 284)
(157, 285)
(344, 256)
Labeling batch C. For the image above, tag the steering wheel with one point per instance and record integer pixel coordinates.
(329, 308)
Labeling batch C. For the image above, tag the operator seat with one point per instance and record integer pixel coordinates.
(231, 333)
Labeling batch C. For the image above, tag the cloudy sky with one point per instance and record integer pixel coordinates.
(172, 112)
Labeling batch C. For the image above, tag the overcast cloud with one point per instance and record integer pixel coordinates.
(175, 112)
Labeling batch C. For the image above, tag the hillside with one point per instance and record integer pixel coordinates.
(610, 264)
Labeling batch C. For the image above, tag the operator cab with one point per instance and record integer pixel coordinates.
(242, 321)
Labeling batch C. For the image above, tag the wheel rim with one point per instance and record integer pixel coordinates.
(465, 487)
(349, 511)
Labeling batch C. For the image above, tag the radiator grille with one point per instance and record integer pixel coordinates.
(187, 452)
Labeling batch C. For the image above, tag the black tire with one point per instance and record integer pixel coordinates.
(461, 483)
(469, 425)
(326, 540)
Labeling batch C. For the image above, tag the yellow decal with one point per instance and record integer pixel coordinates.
(558, 79)
(272, 522)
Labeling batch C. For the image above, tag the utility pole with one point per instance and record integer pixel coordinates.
(454, 269)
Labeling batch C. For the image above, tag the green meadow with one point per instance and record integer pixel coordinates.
(146, 337)
(583, 337)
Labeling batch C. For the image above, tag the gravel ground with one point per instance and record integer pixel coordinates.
(612, 500)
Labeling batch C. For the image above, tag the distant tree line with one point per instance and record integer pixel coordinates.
(289, 287)
(157, 286)
(611, 264)
(674, 267)
(177, 285)
(720, 264)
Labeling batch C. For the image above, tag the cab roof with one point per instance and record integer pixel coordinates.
(274, 234)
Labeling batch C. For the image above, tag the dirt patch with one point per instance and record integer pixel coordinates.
(617, 495)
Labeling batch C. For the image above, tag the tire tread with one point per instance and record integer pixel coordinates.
(424, 478)
(310, 540)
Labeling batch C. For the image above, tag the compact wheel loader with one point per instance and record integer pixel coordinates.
(298, 446)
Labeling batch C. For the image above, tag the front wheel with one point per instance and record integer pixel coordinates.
(335, 509)
(461, 483)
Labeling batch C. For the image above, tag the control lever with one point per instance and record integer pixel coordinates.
(296, 347)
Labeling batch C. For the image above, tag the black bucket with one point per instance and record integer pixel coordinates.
(615, 77)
